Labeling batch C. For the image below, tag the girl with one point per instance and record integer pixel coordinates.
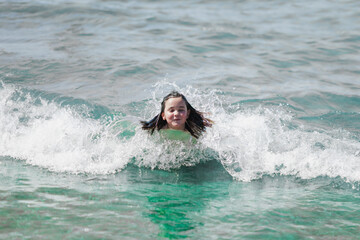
(177, 114)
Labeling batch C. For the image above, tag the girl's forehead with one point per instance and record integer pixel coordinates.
(176, 101)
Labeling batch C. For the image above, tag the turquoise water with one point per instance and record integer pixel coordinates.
(280, 79)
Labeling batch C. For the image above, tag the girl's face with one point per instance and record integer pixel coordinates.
(175, 113)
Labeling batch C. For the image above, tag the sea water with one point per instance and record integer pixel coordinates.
(280, 80)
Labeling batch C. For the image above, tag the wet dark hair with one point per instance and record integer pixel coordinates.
(195, 124)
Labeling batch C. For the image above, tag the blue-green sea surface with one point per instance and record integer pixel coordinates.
(279, 79)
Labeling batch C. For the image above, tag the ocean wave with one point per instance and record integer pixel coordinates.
(68, 135)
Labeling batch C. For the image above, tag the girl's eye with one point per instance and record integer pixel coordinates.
(173, 110)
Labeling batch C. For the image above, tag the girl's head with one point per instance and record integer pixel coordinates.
(177, 113)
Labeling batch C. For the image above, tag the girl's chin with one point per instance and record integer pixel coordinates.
(177, 127)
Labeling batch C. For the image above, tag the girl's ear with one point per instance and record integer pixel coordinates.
(188, 113)
(163, 115)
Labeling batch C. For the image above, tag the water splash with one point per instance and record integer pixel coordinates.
(249, 141)
(262, 141)
(58, 138)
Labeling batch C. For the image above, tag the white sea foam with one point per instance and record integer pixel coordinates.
(56, 138)
(257, 142)
(155, 152)
(249, 142)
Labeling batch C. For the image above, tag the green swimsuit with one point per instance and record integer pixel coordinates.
(177, 135)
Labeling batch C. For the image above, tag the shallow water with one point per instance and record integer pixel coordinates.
(279, 79)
